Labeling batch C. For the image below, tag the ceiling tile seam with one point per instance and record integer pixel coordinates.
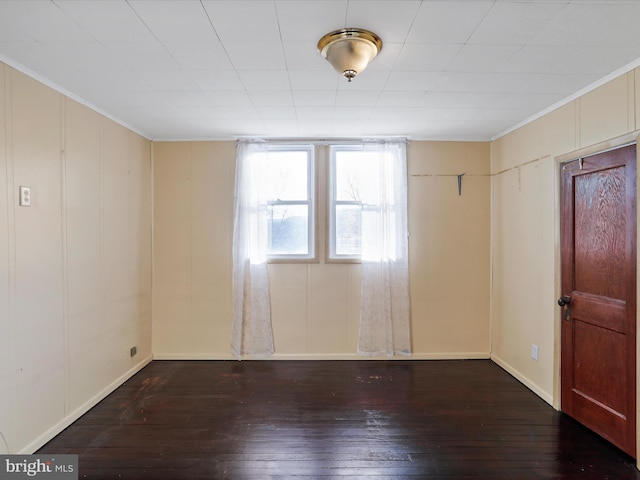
(106, 49)
(143, 22)
(235, 69)
(392, 69)
(466, 41)
(164, 48)
(486, 14)
(286, 64)
(66, 14)
(346, 14)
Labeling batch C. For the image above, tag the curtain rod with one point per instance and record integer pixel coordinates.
(324, 141)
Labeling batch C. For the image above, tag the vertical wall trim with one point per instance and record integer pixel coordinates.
(557, 323)
(349, 304)
(65, 254)
(11, 244)
(7, 427)
(152, 239)
(307, 308)
(189, 233)
(577, 123)
(631, 101)
(492, 154)
(101, 301)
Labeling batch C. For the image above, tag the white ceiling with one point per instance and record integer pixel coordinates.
(210, 69)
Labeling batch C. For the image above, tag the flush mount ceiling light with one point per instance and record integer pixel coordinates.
(350, 50)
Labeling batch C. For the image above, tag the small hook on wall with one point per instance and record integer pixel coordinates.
(460, 184)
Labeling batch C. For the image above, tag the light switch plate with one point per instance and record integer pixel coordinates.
(25, 196)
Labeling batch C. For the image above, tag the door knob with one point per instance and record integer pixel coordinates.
(565, 301)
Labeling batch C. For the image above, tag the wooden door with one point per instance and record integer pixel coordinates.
(598, 349)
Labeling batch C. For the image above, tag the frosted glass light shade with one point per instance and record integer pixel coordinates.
(350, 50)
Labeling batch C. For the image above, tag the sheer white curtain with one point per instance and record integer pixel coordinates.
(251, 332)
(384, 308)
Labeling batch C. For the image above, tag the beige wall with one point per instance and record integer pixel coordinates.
(75, 267)
(316, 306)
(193, 212)
(448, 248)
(525, 223)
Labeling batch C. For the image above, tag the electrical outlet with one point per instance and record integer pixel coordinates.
(534, 351)
(133, 351)
(25, 196)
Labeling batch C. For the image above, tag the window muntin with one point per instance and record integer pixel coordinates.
(290, 205)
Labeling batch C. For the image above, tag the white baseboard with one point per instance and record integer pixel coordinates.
(328, 356)
(82, 409)
(522, 379)
(192, 356)
(452, 356)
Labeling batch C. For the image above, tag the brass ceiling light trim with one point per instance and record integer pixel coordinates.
(350, 50)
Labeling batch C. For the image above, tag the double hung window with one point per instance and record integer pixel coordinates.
(358, 197)
(289, 183)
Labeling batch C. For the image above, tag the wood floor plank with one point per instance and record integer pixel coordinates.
(333, 420)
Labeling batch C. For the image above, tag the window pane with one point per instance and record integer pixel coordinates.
(288, 229)
(348, 182)
(287, 175)
(357, 176)
(348, 229)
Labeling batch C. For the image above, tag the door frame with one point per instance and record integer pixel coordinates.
(612, 144)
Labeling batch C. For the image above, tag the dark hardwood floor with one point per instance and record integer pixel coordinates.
(333, 419)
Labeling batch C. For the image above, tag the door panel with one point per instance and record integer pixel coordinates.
(600, 241)
(597, 358)
(598, 348)
(606, 312)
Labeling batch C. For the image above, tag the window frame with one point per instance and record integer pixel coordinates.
(312, 195)
(332, 203)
